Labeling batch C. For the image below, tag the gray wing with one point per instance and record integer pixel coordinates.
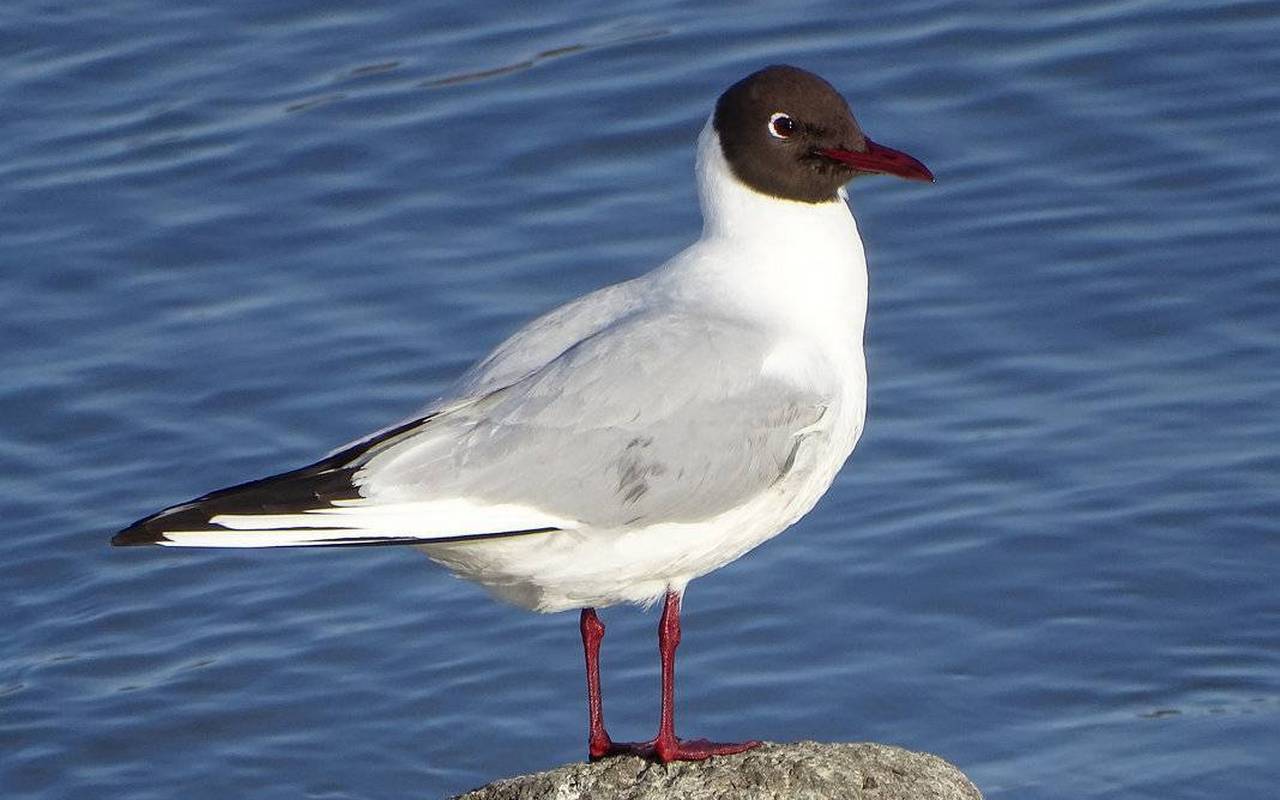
(650, 418)
(536, 344)
(657, 417)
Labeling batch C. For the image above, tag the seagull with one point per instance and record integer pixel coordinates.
(642, 435)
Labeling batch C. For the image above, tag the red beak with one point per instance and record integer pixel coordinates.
(879, 158)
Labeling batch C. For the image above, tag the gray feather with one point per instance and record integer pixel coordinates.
(653, 418)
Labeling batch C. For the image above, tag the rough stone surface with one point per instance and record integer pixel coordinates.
(800, 771)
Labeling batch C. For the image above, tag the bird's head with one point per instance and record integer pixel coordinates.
(788, 133)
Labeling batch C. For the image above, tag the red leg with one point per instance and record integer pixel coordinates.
(665, 747)
(598, 743)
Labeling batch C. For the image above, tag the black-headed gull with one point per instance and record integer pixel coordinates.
(636, 438)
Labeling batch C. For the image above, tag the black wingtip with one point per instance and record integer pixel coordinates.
(324, 482)
(138, 533)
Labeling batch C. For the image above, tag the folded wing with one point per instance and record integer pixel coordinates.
(656, 418)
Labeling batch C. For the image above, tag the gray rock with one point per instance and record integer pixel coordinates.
(800, 771)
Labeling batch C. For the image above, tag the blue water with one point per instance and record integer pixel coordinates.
(234, 236)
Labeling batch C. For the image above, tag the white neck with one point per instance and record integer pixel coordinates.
(799, 264)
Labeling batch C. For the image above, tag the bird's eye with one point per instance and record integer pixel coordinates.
(781, 126)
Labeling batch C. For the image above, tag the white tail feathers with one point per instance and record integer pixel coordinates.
(358, 522)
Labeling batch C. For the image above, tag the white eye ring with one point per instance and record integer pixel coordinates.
(782, 126)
